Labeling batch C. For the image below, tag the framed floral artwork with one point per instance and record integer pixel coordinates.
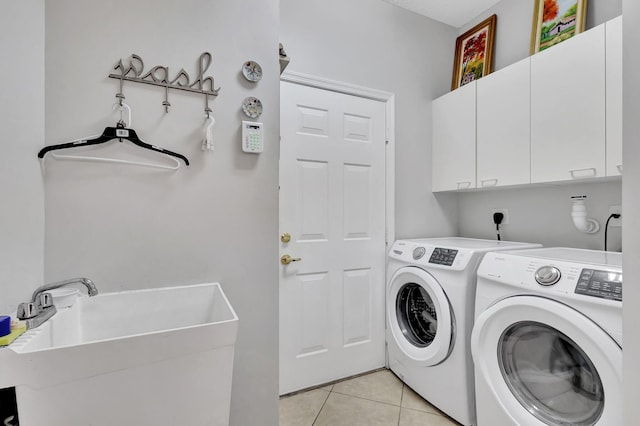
(555, 21)
(474, 53)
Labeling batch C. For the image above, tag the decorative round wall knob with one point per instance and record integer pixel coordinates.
(252, 107)
(252, 71)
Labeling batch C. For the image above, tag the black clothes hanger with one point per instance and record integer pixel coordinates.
(119, 132)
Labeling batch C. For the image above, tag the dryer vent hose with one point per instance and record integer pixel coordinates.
(579, 215)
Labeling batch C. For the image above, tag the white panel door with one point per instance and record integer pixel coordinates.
(614, 96)
(503, 127)
(454, 140)
(568, 109)
(332, 203)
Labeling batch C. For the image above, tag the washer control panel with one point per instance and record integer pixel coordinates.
(443, 256)
(603, 284)
(419, 252)
(423, 254)
(547, 275)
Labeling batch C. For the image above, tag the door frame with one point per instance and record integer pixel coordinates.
(390, 147)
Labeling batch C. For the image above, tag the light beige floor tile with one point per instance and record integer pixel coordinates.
(418, 418)
(303, 408)
(345, 410)
(412, 400)
(381, 386)
(328, 388)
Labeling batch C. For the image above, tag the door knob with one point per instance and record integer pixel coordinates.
(286, 259)
(286, 237)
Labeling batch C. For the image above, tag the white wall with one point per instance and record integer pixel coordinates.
(217, 220)
(540, 214)
(377, 45)
(22, 112)
(630, 186)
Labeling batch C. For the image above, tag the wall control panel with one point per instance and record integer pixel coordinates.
(252, 137)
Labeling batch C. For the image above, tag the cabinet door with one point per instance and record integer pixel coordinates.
(454, 140)
(568, 109)
(503, 127)
(614, 96)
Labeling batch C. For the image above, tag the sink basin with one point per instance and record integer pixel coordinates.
(98, 361)
(132, 313)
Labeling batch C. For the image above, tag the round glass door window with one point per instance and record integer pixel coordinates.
(416, 314)
(550, 375)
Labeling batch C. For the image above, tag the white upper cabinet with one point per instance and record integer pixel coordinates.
(454, 140)
(503, 126)
(614, 96)
(553, 117)
(568, 109)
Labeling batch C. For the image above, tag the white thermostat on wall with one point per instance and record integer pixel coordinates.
(252, 137)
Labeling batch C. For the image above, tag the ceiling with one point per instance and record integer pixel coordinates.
(453, 12)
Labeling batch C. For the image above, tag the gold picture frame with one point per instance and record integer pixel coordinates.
(474, 53)
(555, 21)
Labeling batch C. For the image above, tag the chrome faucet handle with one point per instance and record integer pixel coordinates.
(27, 310)
(46, 300)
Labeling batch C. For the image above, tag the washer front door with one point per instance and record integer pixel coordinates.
(420, 317)
(548, 364)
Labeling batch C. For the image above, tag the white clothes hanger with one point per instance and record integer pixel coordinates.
(123, 125)
(122, 106)
(207, 143)
(115, 160)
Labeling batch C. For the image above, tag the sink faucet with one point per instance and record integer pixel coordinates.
(91, 287)
(41, 307)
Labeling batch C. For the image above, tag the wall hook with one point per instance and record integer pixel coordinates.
(166, 102)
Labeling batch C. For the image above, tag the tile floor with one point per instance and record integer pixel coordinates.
(378, 398)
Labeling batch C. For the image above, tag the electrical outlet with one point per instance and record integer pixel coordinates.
(505, 213)
(615, 223)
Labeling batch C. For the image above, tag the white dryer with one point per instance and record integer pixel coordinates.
(430, 300)
(547, 341)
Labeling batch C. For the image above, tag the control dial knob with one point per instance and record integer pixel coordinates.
(547, 275)
(418, 252)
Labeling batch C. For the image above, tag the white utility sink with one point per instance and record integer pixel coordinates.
(160, 357)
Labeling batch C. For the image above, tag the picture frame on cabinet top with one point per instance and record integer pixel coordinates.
(473, 57)
(555, 21)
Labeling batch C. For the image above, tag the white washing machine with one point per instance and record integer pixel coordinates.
(547, 341)
(430, 300)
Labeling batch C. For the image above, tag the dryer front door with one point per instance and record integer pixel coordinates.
(548, 364)
(420, 316)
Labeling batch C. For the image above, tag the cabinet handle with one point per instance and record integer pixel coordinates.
(580, 173)
(463, 185)
(619, 167)
(489, 182)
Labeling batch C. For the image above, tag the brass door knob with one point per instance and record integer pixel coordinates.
(286, 237)
(286, 259)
